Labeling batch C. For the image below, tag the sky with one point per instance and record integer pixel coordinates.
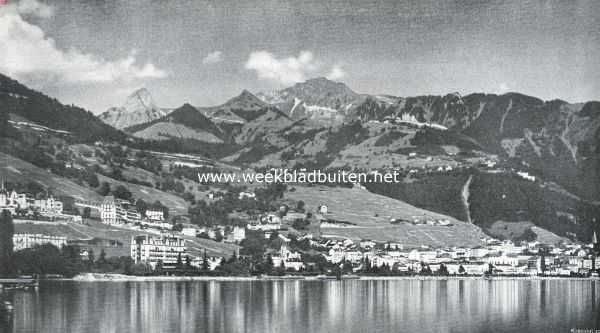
(95, 53)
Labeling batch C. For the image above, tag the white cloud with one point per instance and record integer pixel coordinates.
(336, 73)
(35, 8)
(25, 50)
(503, 88)
(285, 70)
(213, 58)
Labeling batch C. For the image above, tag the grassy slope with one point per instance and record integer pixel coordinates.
(177, 206)
(15, 169)
(95, 229)
(360, 207)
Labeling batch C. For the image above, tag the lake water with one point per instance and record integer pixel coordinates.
(307, 306)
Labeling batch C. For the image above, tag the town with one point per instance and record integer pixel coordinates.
(277, 243)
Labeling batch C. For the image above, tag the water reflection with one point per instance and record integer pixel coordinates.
(306, 306)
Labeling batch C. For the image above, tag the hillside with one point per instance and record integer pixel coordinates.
(34, 106)
(17, 170)
(369, 216)
(494, 199)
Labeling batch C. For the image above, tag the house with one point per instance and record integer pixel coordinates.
(367, 244)
(26, 241)
(288, 259)
(110, 213)
(323, 209)
(192, 232)
(155, 215)
(246, 195)
(213, 262)
(8, 200)
(271, 218)
(263, 226)
(393, 246)
(167, 249)
(49, 206)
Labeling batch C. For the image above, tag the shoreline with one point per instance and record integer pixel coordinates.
(100, 277)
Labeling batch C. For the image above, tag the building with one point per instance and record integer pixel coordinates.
(26, 241)
(110, 213)
(288, 259)
(155, 215)
(323, 209)
(192, 232)
(152, 250)
(246, 195)
(11, 200)
(49, 206)
(239, 234)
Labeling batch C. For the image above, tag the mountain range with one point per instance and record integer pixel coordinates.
(324, 124)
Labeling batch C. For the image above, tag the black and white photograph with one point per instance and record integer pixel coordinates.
(310, 166)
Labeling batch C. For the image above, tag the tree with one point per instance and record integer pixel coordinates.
(102, 258)
(443, 270)
(7, 230)
(90, 259)
(87, 212)
(461, 269)
(141, 206)
(179, 263)
(104, 189)
(300, 206)
(122, 192)
(543, 260)
(205, 266)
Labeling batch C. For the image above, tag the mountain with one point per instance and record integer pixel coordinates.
(553, 138)
(39, 109)
(318, 99)
(139, 108)
(185, 122)
(239, 109)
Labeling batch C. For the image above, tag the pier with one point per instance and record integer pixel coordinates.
(19, 283)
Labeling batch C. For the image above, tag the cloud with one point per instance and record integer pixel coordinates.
(25, 51)
(336, 73)
(285, 70)
(212, 58)
(503, 88)
(35, 8)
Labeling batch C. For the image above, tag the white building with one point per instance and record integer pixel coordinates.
(26, 241)
(323, 209)
(49, 206)
(239, 234)
(150, 250)
(110, 213)
(289, 259)
(248, 195)
(9, 200)
(155, 215)
(264, 226)
(192, 232)
(213, 262)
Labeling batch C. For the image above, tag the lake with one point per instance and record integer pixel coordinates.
(452, 305)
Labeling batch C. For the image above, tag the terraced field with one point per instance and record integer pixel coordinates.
(370, 214)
